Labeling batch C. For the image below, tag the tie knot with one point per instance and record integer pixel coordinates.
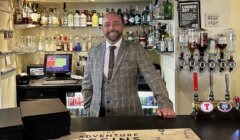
(112, 48)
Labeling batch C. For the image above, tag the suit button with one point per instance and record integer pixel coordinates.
(108, 111)
(108, 102)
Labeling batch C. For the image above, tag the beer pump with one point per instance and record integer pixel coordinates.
(215, 109)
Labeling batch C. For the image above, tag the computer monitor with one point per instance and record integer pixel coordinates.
(58, 65)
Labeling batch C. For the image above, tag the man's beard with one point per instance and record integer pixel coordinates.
(113, 35)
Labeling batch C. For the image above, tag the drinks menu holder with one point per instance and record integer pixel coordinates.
(215, 109)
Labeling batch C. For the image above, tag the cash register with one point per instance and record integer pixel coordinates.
(58, 69)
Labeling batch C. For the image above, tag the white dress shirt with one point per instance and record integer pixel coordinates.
(107, 52)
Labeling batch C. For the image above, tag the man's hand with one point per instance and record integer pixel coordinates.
(166, 113)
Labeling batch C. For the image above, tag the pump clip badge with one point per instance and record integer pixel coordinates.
(207, 107)
(224, 106)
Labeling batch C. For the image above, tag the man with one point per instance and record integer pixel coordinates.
(111, 89)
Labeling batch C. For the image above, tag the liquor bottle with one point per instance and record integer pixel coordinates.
(119, 12)
(145, 16)
(89, 45)
(64, 16)
(137, 17)
(29, 13)
(59, 45)
(125, 16)
(41, 44)
(168, 8)
(131, 19)
(94, 19)
(150, 38)
(158, 12)
(65, 43)
(143, 39)
(71, 43)
(112, 10)
(100, 20)
(25, 13)
(130, 36)
(83, 19)
(70, 19)
(44, 17)
(35, 14)
(162, 44)
(84, 45)
(18, 17)
(107, 10)
(56, 20)
(76, 19)
(50, 17)
(170, 44)
(136, 37)
(150, 12)
(89, 18)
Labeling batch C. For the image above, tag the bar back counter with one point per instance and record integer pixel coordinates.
(205, 129)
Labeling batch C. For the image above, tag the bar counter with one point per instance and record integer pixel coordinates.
(205, 129)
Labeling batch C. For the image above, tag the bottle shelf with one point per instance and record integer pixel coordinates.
(6, 52)
(79, 53)
(7, 70)
(24, 26)
(90, 1)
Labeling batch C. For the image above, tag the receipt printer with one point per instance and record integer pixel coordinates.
(22, 79)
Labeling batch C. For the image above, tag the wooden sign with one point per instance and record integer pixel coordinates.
(150, 134)
(189, 14)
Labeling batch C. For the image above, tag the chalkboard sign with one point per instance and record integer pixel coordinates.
(189, 14)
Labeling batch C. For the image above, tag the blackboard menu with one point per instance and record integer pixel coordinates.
(189, 14)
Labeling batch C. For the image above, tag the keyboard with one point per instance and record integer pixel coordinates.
(59, 82)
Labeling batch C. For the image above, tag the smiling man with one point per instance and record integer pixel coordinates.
(109, 85)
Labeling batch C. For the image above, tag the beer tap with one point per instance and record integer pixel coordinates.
(227, 95)
(195, 86)
(231, 63)
(182, 62)
(211, 96)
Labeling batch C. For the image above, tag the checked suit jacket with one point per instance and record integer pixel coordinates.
(130, 61)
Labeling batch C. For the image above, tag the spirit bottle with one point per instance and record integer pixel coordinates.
(76, 21)
(94, 19)
(83, 19)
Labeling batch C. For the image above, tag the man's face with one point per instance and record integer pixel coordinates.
(112, 27)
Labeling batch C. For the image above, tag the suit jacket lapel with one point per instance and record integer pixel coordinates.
(120, 54)
(101, 58)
